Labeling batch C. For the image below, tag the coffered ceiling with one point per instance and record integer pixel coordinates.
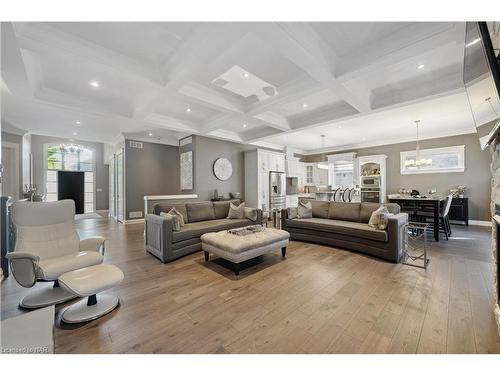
(278, 84)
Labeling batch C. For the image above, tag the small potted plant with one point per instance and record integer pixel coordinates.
(459, 191)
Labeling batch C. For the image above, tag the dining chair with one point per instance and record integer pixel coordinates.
(444, 220)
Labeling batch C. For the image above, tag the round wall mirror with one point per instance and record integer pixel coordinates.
(223, 169)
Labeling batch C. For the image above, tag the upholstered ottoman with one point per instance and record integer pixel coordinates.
(237, 249)
(87, 282)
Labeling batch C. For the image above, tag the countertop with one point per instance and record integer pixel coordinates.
(405, 197)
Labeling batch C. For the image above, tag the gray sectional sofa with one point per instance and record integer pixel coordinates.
(200, 218)
(346, 225)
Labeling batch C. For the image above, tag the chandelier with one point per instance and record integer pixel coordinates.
(418, 161)
(71, 148)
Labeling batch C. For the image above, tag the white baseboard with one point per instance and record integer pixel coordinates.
(480, 223)
(134, 221)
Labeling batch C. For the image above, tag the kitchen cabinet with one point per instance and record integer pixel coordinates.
(315, 175)
(258, 164)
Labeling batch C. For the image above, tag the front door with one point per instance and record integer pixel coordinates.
(70, 185)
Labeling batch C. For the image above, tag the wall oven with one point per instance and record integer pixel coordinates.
(368, 195)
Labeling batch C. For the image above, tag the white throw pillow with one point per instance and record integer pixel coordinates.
(173, 211)
(236, 212)
(374, 221)
(176, 225)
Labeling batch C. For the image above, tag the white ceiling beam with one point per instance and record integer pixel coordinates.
(236, 121)
(299, 43)
(211, 98)
(205, 43)
(408, 42)
(45, 39)
(13, 70)
(323, 115)
(445, 83)
(255, 135)
(171, 123)
(287, 93)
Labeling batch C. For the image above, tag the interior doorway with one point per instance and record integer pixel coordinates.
(10, 162)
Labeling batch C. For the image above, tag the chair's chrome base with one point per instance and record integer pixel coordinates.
(83, 312)
(47, 296)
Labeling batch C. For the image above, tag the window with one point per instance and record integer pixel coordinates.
(341, 174)
(445, 159)
(70, 158)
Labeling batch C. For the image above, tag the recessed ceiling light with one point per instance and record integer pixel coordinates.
(94, 84)
(188, 109)
(305, 105)
(77, 122)
(246, 75)
(340, 126)
(244, 125)
(75, 133)
(150, 134)
(421, 66)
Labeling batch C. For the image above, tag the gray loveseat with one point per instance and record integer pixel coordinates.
(200, 218)
(346, 225)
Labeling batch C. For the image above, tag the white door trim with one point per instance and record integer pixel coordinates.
(14, 146)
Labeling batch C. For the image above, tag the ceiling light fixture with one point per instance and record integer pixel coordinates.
(323, 164)
(71, 148)
(340, 126)
(244, 125)
(150, 134)
(94, 84)
(188, 110)
(305, 105)
(246, 75)
(75, 133)
(78, 122)
(418, 161)
(421, 66)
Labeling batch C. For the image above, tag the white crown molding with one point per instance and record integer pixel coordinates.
(357, 146)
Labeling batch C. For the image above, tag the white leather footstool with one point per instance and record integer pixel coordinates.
(87, 282)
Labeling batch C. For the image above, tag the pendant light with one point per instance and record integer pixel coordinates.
(323, 164)
(418, 161)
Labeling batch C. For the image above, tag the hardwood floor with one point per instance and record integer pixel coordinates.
(318, 300)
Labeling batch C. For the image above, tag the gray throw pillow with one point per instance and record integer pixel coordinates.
(236, 212)
(176, 225)
(305, 210)
(293, 212)
(173, 211)
(251, 213)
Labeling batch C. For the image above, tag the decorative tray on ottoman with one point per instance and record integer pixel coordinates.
(250, 229)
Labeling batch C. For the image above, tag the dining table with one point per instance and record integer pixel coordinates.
(413, 204)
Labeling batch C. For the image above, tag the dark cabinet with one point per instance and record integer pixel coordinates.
(459, 210)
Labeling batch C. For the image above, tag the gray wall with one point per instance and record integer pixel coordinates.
(476, 176)
(207, 150)
(102, 171)
(18, 139)
(152, 170)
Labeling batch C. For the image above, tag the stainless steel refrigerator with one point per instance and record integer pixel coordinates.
(277, 190)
